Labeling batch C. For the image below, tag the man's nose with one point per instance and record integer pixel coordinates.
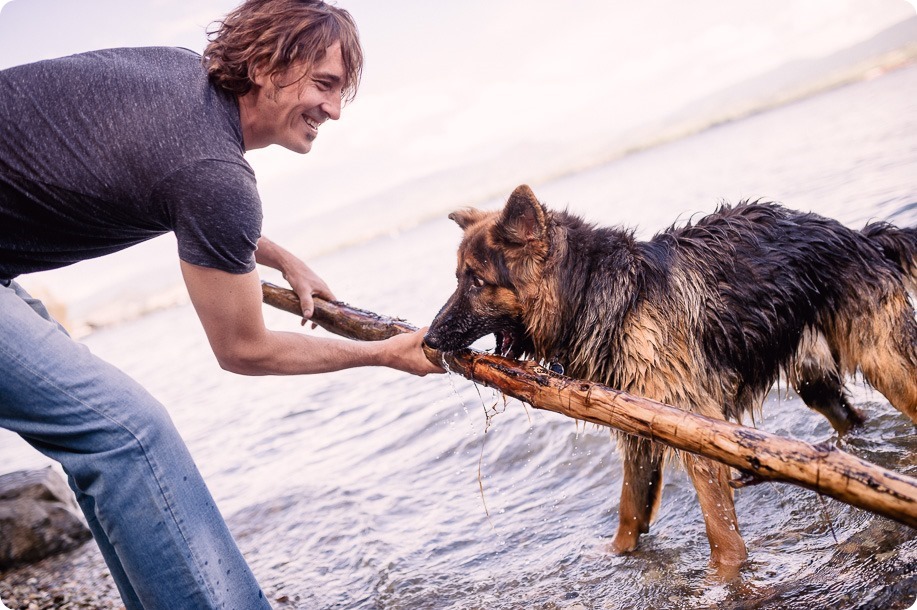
(332, 106)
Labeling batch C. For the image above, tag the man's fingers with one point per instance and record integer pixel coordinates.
(325, 294)
(308, 306)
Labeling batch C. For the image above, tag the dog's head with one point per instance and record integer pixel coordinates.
(500, 262)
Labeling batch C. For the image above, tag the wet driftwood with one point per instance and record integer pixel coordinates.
(757, 455)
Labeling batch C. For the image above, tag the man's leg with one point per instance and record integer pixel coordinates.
(157, 525)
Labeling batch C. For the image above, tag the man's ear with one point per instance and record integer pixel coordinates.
(466, 217)
(523, 219)
(259, 77)
(267, 82)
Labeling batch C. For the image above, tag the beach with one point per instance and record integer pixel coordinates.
(370, 489)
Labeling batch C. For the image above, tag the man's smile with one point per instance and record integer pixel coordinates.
(312, 123)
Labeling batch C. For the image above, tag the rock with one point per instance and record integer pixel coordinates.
(38, 517)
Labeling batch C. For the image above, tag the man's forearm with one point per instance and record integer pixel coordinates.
(229, 307)
(288, 353)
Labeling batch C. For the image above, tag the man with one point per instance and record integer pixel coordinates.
(103, 150)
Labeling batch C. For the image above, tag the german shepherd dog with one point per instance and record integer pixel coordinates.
(703, 317)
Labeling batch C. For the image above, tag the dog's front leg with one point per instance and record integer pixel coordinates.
(711, 481)
(641, 492)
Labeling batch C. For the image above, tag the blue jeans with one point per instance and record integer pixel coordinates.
(149, 510)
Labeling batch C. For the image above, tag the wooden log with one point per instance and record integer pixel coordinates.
(336, 317)
(758, 455)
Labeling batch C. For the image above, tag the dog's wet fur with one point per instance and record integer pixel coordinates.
(703, 317)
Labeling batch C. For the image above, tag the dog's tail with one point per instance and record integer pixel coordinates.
(899, 246)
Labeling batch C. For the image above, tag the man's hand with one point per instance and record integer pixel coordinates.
(304, 282)
(406, 354)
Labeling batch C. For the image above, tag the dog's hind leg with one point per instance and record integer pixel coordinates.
(816, 377)
(884, 345)
(711, 481)
(641, 491)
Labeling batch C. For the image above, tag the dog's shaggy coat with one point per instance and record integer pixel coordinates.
(702, 317)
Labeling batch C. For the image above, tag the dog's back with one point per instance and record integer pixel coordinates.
(706, 315)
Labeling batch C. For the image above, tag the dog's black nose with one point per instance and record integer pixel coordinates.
(432, 339)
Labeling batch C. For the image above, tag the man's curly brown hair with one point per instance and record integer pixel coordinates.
(269, 36)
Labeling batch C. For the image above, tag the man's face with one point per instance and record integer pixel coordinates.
(290, 115)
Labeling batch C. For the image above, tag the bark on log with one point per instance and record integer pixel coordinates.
(759, 456)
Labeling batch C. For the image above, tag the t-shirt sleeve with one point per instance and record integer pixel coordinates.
(215, 211)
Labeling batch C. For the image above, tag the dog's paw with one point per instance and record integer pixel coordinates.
(624, 542)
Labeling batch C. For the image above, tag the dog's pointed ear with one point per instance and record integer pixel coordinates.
(524, 219)
(466, 217)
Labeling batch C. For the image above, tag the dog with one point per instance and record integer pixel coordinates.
(703, 317)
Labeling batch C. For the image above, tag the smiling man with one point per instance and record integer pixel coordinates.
(102, 150)
(287, 109)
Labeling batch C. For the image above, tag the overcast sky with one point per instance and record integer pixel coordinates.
(447, 79)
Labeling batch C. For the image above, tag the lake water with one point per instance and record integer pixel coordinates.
(372, 489)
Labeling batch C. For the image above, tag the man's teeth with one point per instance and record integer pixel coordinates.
(311, 123)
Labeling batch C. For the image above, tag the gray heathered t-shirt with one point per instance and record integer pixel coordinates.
(102, 150)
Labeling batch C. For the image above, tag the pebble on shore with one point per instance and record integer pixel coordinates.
(77, 580)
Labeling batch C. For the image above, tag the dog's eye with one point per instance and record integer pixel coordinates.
(477, 281)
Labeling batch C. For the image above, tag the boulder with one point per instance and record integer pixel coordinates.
(38, 517)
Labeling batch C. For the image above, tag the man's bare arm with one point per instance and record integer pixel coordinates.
(229, 307)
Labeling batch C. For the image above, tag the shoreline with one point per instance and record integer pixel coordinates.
(74, 580)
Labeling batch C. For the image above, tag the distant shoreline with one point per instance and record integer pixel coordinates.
(128, 309)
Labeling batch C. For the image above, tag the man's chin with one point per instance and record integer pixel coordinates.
(301, 147)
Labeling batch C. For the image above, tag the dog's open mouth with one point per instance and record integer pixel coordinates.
(512, 344)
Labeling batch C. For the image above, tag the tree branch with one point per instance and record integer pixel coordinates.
(758, 456)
